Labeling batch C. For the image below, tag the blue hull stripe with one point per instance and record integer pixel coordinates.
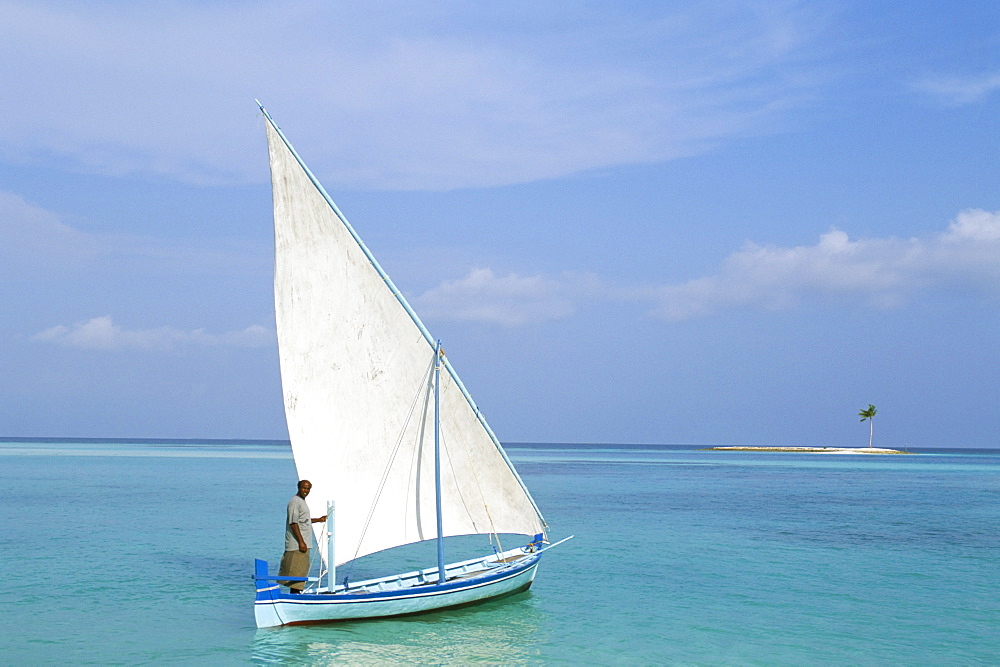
(429, 590)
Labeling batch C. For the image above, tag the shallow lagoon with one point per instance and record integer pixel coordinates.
(680, 556)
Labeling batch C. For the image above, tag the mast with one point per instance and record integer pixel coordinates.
(437, 461)
(331, 562)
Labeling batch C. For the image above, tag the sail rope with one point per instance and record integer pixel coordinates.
(321, 548)
(451, 466)
(475, 476)
(415, 455)
(388, 466)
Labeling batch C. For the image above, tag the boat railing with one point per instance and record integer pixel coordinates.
(284, 577)
(428, 575)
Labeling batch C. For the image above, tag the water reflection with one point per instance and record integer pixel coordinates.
(503, 631)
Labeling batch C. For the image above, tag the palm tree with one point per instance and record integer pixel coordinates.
(869, 414)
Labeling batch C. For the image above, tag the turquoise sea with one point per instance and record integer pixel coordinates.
(140, 552)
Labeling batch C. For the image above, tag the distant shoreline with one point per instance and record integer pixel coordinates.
(810, 450)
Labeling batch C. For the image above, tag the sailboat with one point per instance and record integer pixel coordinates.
(397, 451)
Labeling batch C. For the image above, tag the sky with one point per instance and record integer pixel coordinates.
(707, 223)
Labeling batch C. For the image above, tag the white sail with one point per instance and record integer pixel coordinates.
(355, 376)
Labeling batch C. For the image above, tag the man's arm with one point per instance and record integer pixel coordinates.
(303, 546)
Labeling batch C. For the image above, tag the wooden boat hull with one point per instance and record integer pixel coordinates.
(273, 607)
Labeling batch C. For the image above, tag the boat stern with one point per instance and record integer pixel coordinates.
(264, 610)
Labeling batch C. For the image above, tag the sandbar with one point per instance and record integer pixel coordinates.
(811, 450)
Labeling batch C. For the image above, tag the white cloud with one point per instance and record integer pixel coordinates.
(35, 244)
(878, 272)
(407, 95)
(31, 236)
(875, 273)
(974, 225)
(881, 272)
(961, 90)
(510, 300)
(100, 333)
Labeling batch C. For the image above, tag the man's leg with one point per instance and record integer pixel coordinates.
(294, 564)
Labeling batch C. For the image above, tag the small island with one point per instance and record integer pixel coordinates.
(866, 414)
(810, 450)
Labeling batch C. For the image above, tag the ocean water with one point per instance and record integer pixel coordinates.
(141, 553)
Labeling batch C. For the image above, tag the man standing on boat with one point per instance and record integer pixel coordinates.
(298, 535)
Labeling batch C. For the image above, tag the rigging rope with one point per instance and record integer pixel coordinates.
(321, 549)
(415, 456)
(475, 476)
(388, 466)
